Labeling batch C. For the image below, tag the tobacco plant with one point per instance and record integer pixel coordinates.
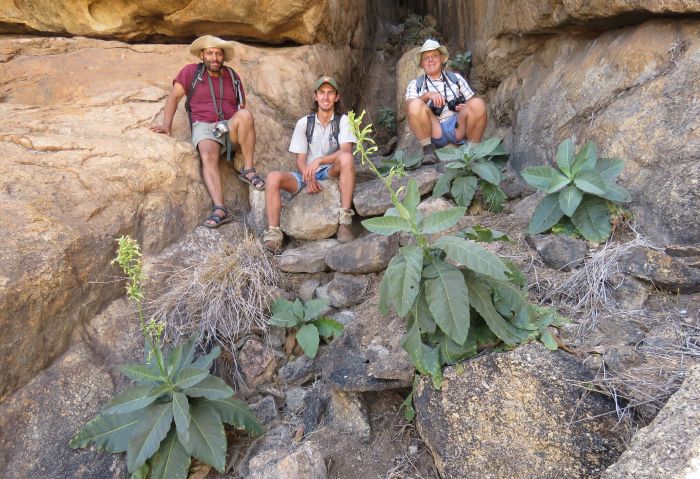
(580, 193)
(471, 167)
(176, 409)
(457, 296)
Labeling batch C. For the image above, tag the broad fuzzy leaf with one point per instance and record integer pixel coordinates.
(238, 414)
(616, 193)
(493, 196)
(569, 199)
(205, 362)
(609, 168)
(308, 339)
(592, 219)
(207, 439)
(141, 373)
(298, 309)
(132, 399)
(283, 314)
(387, 225)
(170, 461)
(425, 359)
(110, 432)
(406, 278)
(565, 156)
(451, 352)
(556, 183)
(190, 376)
(442, 220)
(141, 472)
(545, 215)
(485, 148)
(181, 414)
(464, 189)
(185, 357)
(442, 185)
(585, 159)
(448, 299)
(210, 388)
(148, 434)
(328, 328)
(388, 288)
(473, 256)
(590, 181)
(484, 235)
(482, 302)
(487, 171)
(449, 154)
(314, 308)
(540, 176)
(411, 197)
(548, 340)
(508, 297)
(420, 312)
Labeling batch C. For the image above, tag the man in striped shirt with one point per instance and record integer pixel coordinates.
(440, 106)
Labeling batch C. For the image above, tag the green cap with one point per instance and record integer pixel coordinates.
(326, 79)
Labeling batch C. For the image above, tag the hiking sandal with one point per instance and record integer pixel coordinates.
(218, 220)
(255, 181)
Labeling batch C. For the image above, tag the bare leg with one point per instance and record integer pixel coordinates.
(277, 181)
(421, 121)
(209, 152)
(471, 120)
(242, 132)
(344, 169)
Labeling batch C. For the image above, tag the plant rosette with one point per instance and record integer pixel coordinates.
(308, 320)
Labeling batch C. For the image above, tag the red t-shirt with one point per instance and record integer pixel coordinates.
(201, 103)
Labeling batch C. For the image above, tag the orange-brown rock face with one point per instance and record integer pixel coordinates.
(269, 21)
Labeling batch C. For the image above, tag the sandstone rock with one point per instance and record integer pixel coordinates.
(632, 92)
(344, 290)
(257, 362)
(629, 293)
(368, 254)
(433, 205)
(386, 364)
(306, 462)
(669, 447)
(308, 258)
(661, 270)
(276, 439)
(312, 216)
(558, 251)
(265, 410)
(268, 21)
(516, 414)
(371, 198)
(346, 318)
(349, 415)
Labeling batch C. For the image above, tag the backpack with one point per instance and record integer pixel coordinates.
(335, 127)
(450, 75)
(240, 97)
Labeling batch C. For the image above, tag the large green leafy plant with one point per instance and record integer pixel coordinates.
(471, 167)
(308, 320)
(579, 192)
(175, 410)
(457, 296)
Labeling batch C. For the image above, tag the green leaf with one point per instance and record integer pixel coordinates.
(484, 235)
(205, 362)
(412, 196)
(388, 288)
(407, 279)
(308, 339)
(609, 168)
(473, 256)
(190, 376)
(569, 199)
(421, 313)
(540, 176)
(590, 181)
(141, 473)
(314, 307)
(387, 225)
(556, 184)
(545, 215)
(141, 373)
(238, 414)
(449, 154)
(487, 172)
(170, 461)
(442, 220)
(616, 193)
(181, 414)
(592, 219)
(298, 309)
(110, 432)
(207, 439)
(283, 314)
(185, 357)
(328, 327)
(485, 148)
(452, 352)
(493, 197)
(482, 302)
(463, 189)
(442, 185)
(508, 297)
(548, 340)
(132, 399)
(148, 434)
(210, 388)
(408, 411)
(565, 156)
(448, 299)
(425, 359)
(585, 159)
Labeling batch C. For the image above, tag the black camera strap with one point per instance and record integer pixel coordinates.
(219, 109)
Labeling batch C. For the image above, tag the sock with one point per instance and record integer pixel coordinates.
(424, 142)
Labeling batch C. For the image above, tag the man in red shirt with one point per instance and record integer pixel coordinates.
(218, 117)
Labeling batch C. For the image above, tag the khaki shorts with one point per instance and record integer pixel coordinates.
(205, 131)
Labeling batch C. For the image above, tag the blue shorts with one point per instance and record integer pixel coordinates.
(448, 133)
(321, 174)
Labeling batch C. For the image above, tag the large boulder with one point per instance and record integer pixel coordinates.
(633, 92)
(81, 167)
(270, 21)
(517, 414)
(312, 216)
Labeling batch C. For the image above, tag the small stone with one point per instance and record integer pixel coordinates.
(346, 318)
(257, 362)
(298, 371)
(308, 258)
(307, 462)
(265, 410)
(372, 198)
(307, 288)
(559, 252)
(344, 290)
(294, 399)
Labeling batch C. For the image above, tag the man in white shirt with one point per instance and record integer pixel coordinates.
(440, 106)
(323, 145)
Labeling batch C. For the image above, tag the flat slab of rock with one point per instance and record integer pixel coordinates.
(558, 252)
(368, 254)
(372, 198)
(516, 414)
(344, 290)
(309, 258)
(662, 270)
(307, 462)
(312, 216)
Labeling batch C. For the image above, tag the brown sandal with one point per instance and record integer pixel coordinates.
(218, 220)
(255, 181)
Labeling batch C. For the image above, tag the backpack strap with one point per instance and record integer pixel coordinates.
(198, 73)
(238, 91)
(199, 77)
(335, 127)
(311, 124)
(450, 76)
(419, 83)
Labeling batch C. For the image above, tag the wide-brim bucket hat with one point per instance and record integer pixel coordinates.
(429, 46)
(209, 41)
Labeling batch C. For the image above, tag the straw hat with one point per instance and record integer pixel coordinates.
(209, 41)
(431, 45)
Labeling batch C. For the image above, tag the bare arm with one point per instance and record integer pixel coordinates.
(176, 94)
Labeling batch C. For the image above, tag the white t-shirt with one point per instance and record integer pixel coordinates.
(322, 140)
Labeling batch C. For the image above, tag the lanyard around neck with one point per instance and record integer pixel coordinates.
(220, 107)
(445, 85)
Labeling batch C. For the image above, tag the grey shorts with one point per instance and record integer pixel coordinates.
(205, 131)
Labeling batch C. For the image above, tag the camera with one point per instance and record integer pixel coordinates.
(437, 110)
(220, 129)
(452, 104)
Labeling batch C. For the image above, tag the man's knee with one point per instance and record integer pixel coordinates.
(273, 180)
(346, 161)
(476, 107)
(243, 118)
(415, 107)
